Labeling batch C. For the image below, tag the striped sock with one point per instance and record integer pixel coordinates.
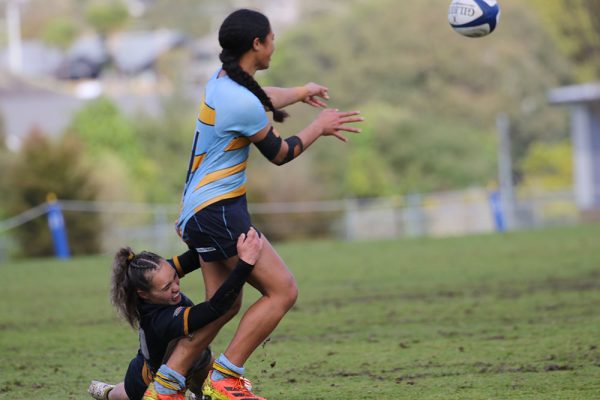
(168, 381)
(223, 367)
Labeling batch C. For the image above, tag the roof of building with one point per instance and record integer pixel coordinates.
(589, 92)
(133, 52)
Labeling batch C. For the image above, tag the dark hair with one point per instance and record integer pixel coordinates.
(129, 274)
(236, 37)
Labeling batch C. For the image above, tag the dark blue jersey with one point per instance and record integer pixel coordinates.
(159, 324)
(162, 323)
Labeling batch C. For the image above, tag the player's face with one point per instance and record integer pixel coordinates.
(165, 286)
(264, 51)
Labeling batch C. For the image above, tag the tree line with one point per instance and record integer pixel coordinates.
(430, 98)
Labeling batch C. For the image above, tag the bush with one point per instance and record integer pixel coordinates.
(106, 16)
(44, 167)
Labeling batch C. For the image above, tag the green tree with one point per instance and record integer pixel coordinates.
(60, 32)
(576, 26)
(436, 93)
(195, 18)
(366, 174)
(166, 141)
(103, 128)
(548, 166)
(110, 142)
(418, 154)
(39, 15)
(5, 162)
(106, 16)
(44, 167)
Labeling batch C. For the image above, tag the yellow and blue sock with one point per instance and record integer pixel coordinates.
(223, 367)
(168, 381)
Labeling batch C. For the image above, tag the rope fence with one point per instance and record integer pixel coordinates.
(475, 210)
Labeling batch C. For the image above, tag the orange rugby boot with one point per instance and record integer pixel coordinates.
(228, 388)
(152, 394)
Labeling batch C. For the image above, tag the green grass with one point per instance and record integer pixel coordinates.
(510, 316)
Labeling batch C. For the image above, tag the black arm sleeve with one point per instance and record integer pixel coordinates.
(293, 142)
(204, 313)
(185, 263)
(271, 144)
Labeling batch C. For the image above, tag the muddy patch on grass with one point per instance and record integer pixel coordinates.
(505, 290)
(445, 371)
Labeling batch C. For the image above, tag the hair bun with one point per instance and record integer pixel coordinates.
(131, 256)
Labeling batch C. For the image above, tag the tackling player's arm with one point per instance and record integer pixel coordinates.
(171, 325)
(208, 311)
(249, 246)
(185, 263)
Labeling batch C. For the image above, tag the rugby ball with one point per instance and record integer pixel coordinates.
(474, 18)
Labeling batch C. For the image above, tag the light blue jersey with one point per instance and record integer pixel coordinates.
(229, 114)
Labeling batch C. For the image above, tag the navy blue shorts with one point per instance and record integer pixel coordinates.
(139, 376)
(135, 384)
(214, 230)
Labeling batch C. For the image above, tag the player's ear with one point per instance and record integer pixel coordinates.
(256, 43)
(143, 294)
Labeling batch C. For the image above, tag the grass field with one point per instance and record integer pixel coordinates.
(512, 316)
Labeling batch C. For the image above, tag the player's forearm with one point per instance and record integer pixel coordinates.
(310, 134)
(208, 311)
(226, 295)
(283, 97)
(280, 151)
(185, 263)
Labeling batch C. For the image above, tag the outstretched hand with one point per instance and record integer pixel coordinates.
(333, 121)
(249, 246)
(314, 91)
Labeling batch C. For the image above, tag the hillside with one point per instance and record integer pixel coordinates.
(431, 96)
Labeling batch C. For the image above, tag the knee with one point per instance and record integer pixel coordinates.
(289, 295)
(292, 299)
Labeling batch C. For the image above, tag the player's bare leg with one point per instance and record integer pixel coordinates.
(279, 292)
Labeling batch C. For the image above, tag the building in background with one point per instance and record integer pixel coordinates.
(41, 86)
(584, 104)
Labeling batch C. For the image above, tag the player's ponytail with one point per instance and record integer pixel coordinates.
(130, 274)
(236, 37)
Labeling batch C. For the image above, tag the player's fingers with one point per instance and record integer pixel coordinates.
(252, 234)
(338, 135)
(347, 120)
(344, 114)
(311, 102)
(315, 99)
(317, 103)
(255, 240)
(347, 128)
(241, 239)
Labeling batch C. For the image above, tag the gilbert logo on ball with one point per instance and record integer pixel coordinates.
(474, 18)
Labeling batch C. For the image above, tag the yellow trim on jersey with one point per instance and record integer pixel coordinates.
(197, 161)
(238, 143)
(207, 115)
(178, 266)
(147, 375)
(186, 328)
(234, 193)
(220, 174)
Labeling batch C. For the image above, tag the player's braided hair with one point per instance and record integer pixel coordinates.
(129, 274)
(236, 37)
